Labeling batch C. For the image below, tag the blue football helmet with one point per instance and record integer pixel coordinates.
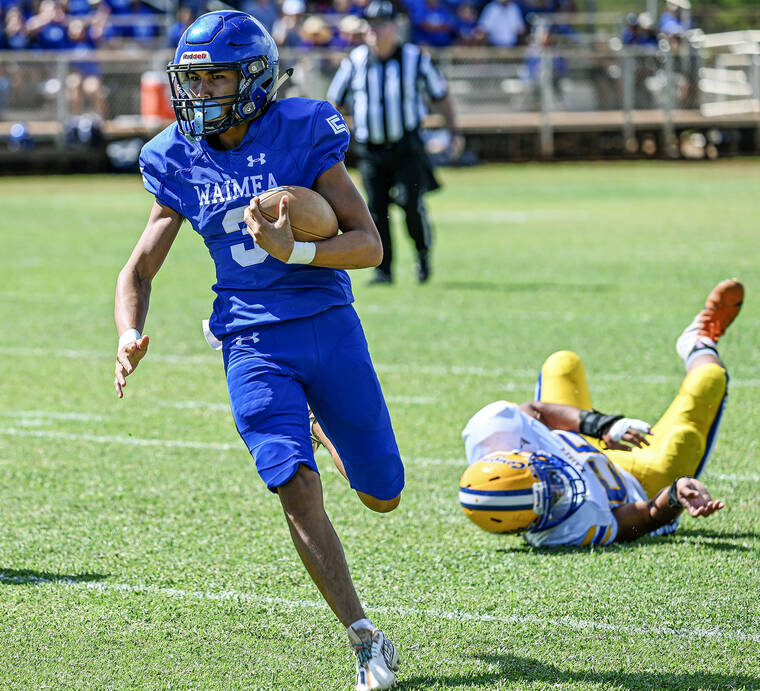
(520, 491)
(224, 40)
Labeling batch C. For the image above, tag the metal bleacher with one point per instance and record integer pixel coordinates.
(604, 91)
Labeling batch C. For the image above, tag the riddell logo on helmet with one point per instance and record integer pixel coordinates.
(198, 56)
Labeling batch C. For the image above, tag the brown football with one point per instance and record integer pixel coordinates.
(311, 216)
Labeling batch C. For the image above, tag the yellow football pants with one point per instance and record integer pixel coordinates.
(682, 438)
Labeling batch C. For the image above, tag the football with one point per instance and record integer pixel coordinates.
(311, 216)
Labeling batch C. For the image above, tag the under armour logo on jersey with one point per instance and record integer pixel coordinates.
(253, 338)
(261, 159)
(337, 124)
(524, 442)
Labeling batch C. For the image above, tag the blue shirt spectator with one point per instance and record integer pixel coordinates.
(16, 35)
(47, 28)
(467, 24)
(433, 24)
(672, 21)
(637, 31)
(185, 17)
(502, 22)
(77, 8)
(82, 44)
(264, 10)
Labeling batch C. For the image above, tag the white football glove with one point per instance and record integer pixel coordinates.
(620, 427)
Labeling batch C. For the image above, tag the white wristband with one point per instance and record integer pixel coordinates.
(303, 253)
(128, 336)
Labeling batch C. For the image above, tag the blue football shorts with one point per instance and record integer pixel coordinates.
(274, 370)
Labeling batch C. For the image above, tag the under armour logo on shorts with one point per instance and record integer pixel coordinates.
(253, 338)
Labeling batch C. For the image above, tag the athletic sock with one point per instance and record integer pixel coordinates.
(362, 624)
(702, 347)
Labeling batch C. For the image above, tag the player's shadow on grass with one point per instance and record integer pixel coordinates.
(722, 534)
(513, 668)
(728, 544)
(527, 287)
(29, 577)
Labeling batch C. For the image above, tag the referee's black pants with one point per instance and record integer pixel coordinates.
(400, 173)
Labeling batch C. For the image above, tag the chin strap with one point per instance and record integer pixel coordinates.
(280, 81)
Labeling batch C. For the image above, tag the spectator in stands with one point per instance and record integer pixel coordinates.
(47, 29)
(99, 22)
(315, 32)
(545, 11)
(142, 27)
(647, 29)
(433, 24)
(637, 30)
(265, 11)
(543, 39)
(343, 7)
(502, 23)
(84, 86)
(77, 8)
(26, 7)
(674, 21)
(130, 24)
(350, 31)
(285, 29)
(16, 34)
(470, 34)
(184, 18)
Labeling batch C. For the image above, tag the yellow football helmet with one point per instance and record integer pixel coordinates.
(515, 491)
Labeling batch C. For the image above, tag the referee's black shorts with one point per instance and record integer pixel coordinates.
(404, 162)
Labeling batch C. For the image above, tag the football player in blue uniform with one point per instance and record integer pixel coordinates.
(282, 314)
(563, 474)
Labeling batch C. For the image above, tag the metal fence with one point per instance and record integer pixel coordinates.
(538, 87)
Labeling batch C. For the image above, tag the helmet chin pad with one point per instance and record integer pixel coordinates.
(208, 112)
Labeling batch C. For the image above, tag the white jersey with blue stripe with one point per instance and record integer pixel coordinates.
(502, 426)
(292, 143)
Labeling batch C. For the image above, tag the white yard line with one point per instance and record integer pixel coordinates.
(70, 354)
(439, 614)
(429, 370)
(130, 441)
(219, 406)
(195, 405)
(513, 216)
(51, 415)
(238, 447)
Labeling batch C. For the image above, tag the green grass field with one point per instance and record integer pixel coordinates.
(139, 550)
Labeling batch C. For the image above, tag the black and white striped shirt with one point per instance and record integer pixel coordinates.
(388, 96)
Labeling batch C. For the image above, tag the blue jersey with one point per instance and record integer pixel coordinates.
(292, 143)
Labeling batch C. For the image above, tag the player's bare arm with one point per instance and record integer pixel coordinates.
(133, 288)
(617, 432)
(636, 519)
(357, 247)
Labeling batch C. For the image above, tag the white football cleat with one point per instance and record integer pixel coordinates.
(376, 661)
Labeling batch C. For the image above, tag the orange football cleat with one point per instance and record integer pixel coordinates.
(722, 305)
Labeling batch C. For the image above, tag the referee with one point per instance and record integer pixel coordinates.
(386, 83)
